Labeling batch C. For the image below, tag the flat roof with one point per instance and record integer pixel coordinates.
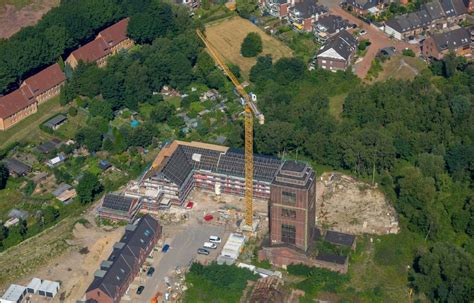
(339, 238)
(34, 284)
(14, 292)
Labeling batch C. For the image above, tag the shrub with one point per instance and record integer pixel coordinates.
(251, 46)
(72, 112)
(408, 52)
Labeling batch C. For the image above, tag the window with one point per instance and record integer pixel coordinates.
(288, 197)
(288, 234)
(288, 213)
(323, 61)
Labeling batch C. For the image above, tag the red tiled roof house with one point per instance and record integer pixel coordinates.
(108, 42)
(46, 84)
(16, 106)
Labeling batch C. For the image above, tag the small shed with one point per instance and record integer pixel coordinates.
(17, 168)
(339, 238)
(56, 161)
(34, 286)
(49, 146)
(48, 289)
(56, 122)
(14, 294)
(104, 164)
(61, 188)
(18, 214)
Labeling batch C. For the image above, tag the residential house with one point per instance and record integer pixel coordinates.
(191, 4)
(108, 42)
(65, 193)
(16, 106)
(328, 26)
(46, 84)
(337, 52)
(363, 7)
(469, 5)
(431, 17)
(458, 41)
(114, 276)
(303, 13)
(116, 207)
(276, 8)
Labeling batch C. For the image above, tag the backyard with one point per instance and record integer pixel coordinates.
(227, 35)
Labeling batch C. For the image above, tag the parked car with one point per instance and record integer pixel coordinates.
(150, 271)
(210, 245)
(214, 239)
(362, 32)
(140, 289)
(203, 251)
(165, 248)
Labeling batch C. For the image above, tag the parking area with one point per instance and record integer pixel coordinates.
(183, 241)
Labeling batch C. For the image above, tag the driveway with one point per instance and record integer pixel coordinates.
(182, 252)
(377, 38)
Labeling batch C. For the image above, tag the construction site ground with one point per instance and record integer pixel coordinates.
(227, 36)
(348, 205)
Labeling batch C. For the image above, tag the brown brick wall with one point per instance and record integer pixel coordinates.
(18, 116)
(336, 64)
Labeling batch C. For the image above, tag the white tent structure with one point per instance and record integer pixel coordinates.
(34, 286)
(14, 294)
(48, 289)
(234, 245)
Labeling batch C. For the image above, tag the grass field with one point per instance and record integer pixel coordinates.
(17, 3)
(227, 36)
(335, 105)
(28, 129)
(401, 67)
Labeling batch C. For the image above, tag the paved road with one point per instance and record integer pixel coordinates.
(377, 38)
(182, 251)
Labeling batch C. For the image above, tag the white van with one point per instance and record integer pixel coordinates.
(214, 239)
(210, 245)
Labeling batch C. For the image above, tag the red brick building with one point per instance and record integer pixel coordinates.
(46, 84)
(457, 41)
(293, 205)
(16, 106)
(108, 42)
(114, 276)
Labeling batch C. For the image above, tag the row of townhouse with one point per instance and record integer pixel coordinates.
(431, 17)
(46, 84)
(459, 40)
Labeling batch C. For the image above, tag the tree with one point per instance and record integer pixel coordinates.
(162, 112)
(102, 109)
(51, 214)
(252, 45)
(72, 111)
(246, 7)
(23, 228)
(90, 138)
(88, 187)
(3, 234)
(445, 274)
(262, 70)
(4, 174)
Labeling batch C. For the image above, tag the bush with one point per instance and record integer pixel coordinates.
(408, 52)
(72, 112)
(251, 46)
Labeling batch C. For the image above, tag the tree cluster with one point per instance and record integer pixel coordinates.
(414, 137)
(252, 45)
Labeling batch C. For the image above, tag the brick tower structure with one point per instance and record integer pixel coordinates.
(292, 206)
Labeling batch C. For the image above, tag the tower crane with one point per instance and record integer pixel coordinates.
(250, 110)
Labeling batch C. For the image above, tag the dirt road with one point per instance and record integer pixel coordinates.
(377, 38)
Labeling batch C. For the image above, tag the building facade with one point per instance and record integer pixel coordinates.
(292, 205)
(337, 53)
(458, 41)
(16, 106)
(108, 42)
(115, 274)
(46, 84)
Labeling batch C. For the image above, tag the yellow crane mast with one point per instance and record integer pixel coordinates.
(249, 108)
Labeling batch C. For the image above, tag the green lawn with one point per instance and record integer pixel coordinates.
(9, 197)
(69, 129)
(28, 129)
(175, 101)
(335, 105)
(145, 110)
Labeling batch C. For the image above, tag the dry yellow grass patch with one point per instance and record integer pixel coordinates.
(227, 36)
